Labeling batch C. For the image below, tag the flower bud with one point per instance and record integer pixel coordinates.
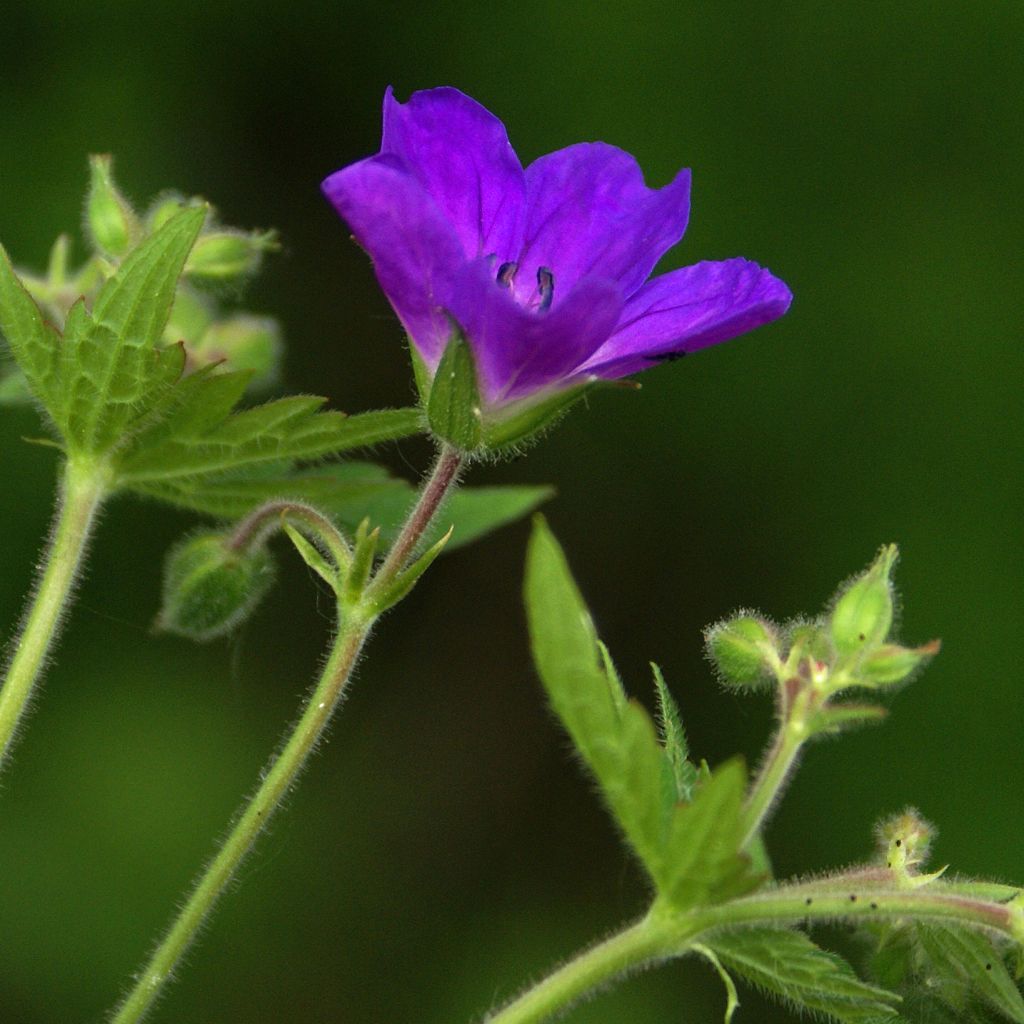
(904, 839)
(862, 615)
(110, 219)
(210, 588)
(741, 649)
(242, 343)
(165, 207)
(227, 256)
(891, 663)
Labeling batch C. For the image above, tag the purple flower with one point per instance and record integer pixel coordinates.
(545, 269)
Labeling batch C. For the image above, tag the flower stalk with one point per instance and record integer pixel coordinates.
(82, 490)
(355, 624)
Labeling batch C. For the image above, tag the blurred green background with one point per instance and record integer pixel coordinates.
(443, 847)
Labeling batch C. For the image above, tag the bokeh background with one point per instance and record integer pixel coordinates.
(443, 847)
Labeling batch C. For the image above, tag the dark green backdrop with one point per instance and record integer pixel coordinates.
(443, 847)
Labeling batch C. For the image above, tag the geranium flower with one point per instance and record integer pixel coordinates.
(545, 269)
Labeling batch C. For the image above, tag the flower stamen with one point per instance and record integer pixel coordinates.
(546, 287)
(506, 274)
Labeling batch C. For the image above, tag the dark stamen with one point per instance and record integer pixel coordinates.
(546, 287)
(506, 272)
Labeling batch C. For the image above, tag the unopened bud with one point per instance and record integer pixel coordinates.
(209, 588)
(904, 841)
(226, 256)
(891, 663)
(165, 207)
(741, 649)
(112, 223)
(243, 343)
(862, 616)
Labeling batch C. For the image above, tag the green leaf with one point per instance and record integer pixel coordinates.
(34, 344)
(673, 739)
(789, 965)
(453, 408)
(477, 511)
(618, 743)
(198, 440)
(703, 859)
(400, 586)
(110, 369)
(313, 558)
(962, 962)
(14, 388)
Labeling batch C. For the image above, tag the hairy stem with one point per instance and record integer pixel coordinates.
(767, 787)
(253, 819)
(641, 944)
(356, 625)
(436, 488)
(267, 518)
(83, 487)
(664, 933)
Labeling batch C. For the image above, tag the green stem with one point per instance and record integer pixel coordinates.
(250, 824)
(82, 490)
(254, 529)
(285, 768)
(643, 943)
(663, 934)
(776, 769)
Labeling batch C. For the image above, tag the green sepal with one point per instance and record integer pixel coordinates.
(400, 586)
(421, 374)
(313, 558)
(454, 406)
(517, 423)
(364, 550)
(788, 965)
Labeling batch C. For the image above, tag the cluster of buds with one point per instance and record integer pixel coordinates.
(222, 257)
(846, 648)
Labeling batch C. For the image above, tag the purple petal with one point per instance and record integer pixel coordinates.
(414, 250)
(589, 213)
(460, 153)
(689, 309)
(519, 351)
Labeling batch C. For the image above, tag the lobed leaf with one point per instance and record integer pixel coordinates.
(787, 964)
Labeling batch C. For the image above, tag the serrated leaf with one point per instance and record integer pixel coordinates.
(673, 739)
(703, 862)
(110, 370)
(618, 744)
(33, 343)
(199, 437)
(789, 965)
(965, 962)
(14, 388)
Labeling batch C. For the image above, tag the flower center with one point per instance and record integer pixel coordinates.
(540, 300)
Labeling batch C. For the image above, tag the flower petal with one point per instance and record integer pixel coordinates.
(689, 309)
(589, 213)
(460, 153)
(414, 250)
(519, 351)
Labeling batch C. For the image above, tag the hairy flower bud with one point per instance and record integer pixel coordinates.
(891, 663)
(242, 343)
(862, 615)
(741, 649)
(210, 588)
(228, 256)
(110, 219)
